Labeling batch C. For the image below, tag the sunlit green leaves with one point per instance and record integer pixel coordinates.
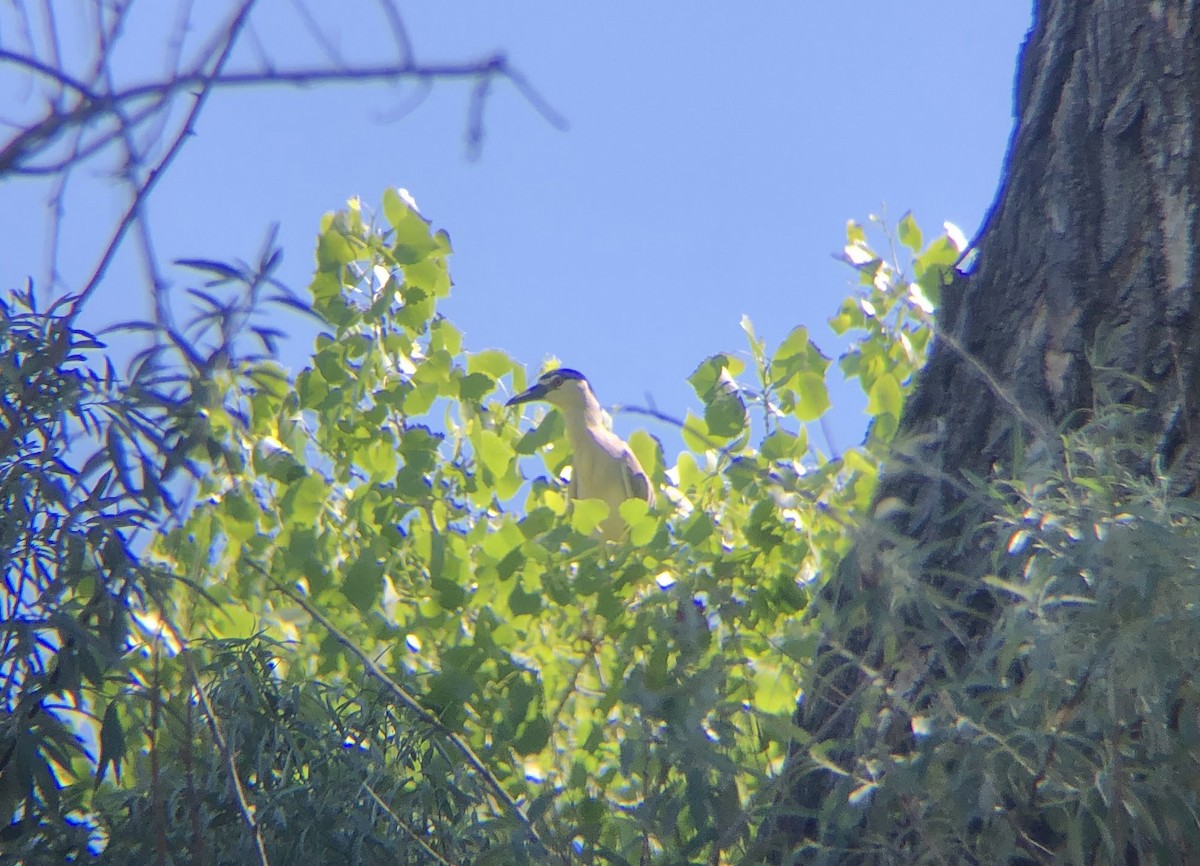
(909, 233)
(239, 516)
(334, 249)
(892, 315)
(724, 411)
(550, 429)
(473, 387)
(586, 515)
(303, 500)
(798, 376)
(885, 396)
(494, 453)
(641, 521)
(695, 433)
(363, 582)
(379, 458)
(637, 694)
(413, 243)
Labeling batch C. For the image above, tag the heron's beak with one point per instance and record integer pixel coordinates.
(537, 392)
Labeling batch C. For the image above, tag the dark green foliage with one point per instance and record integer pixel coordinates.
(85, 462)
(1054, 716)
(335, 775)
(91, 463)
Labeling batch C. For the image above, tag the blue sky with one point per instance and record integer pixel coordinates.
(714, 154)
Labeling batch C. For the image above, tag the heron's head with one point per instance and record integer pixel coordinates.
(564, 388)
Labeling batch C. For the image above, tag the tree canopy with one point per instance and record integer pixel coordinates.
(347, 613)
(379, 627)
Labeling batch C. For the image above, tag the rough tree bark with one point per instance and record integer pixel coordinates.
(1084, 293)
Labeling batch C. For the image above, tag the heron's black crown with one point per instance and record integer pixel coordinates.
(561, 375)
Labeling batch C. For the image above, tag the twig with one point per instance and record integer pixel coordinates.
(403, 825)
(230, 39)
(48, 129)
(1040, 424)
(399, 31)
(37, 66)
(676, 422)
(244, 807)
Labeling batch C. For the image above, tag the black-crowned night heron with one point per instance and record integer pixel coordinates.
(603, 465)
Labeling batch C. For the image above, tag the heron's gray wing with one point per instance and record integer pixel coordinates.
(637, 483)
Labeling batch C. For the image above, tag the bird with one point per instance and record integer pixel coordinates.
(603, 465)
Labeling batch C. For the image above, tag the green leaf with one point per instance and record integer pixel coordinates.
(552, 427)
(532, 737)
(782, 445)
(363, 584)
(798, 373)
(932, 279)
(699, 528)
(798, 352)
(586, 515)
(333, 250)
(909, 233)
(591, 818)
(495, 453)
(849, 316)
(112, 743)
(649, 452)
(491, 362)
(431, 275)
(474, 386)
(239, 516)
(764, 529)
(695, 433)
(707, 379)
(450, 595)
(538, 521)
(304, 500)
(301, 549)
(641, 521)
(512, 562)
(448, 691)
(724, 412)
(502, 540)
(412, 239)
(331, 361)
(940, 254)
(523, 603)
(379, 459)
(418, 446)
(812, 397)
(417, 311)
(885, 397)
(758, 346)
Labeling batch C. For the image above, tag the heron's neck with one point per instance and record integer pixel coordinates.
(582, 426)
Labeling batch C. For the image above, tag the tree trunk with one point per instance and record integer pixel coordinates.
(1083, 294)
(1085, 287)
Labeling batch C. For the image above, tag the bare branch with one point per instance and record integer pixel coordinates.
(156, 173)
(90, 116)
(39, 136)
(54, 73)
